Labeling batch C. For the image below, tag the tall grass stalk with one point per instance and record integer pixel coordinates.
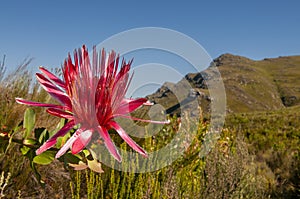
(3, 183)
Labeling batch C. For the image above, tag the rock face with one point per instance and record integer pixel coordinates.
(197, 80)
(250, 85)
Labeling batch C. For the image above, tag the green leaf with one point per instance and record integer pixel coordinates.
(29, 142)
(25, 150)
(62, 140)
(43, 136)
(45, 158)
(86, 152)
(71, 158)
(61, 123)
(29, 121)
(38, 132)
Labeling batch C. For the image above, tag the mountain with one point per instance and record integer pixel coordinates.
(250, 85)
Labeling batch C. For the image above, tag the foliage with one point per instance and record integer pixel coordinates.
(274, 138)
(224, 173)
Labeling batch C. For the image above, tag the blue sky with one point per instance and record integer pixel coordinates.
(48, 30)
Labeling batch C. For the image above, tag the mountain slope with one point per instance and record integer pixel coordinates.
(250, 85)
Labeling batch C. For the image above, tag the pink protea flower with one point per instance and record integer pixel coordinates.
(90, 95)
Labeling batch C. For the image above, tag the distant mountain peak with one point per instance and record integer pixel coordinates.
(230, 59)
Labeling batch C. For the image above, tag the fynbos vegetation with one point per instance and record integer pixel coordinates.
(257, 155)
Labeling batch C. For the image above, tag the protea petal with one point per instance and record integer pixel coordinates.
(127, 139)
(108, 143)
(83, 140)
(69, 143)
(60, 113)
(130, 105)
(32, 103)
(53, 90)
(52, 141)
(51, 76)
(44, 81)
(119, 89)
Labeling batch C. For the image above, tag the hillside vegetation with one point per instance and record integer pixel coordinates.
(269, 84)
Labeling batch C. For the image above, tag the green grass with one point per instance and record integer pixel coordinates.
(274, 138)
